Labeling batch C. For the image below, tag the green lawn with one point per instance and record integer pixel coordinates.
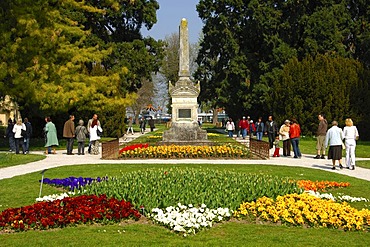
(363, 164)
(11, 159)
(22, 190)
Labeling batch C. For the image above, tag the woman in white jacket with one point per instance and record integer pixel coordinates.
(94, 137)
(17, 129)
(350, 134)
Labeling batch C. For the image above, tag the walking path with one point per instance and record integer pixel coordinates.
(61, 159)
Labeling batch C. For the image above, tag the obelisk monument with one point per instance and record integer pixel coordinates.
(184, 94)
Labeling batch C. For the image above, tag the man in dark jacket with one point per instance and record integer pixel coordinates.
(27, 136)
(320, 137)
(69, 133)
(271, 130)
(10, 134)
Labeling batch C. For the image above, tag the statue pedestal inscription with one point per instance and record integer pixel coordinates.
(184, 94)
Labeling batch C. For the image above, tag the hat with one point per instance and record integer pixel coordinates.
(251, 121)
(243, 117)
(287, 121)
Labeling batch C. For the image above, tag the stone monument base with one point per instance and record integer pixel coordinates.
(184, 131)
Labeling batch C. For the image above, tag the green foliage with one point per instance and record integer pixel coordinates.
(162, 188)
(246, 45)
(324, 84)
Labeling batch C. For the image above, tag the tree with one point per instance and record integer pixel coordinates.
(144, 97)
(332, 85)
(247, 43)
(45, 58)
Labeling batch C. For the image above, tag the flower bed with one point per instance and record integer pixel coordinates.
(71, 183)
(188, 151)
(66, 212)
(214, 188)
(320, 185)
(308, 210)
(189, 219)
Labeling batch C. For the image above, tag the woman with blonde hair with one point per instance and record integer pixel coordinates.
(17, 130)
(350, 134)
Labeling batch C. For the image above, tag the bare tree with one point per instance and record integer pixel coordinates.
(144, 98)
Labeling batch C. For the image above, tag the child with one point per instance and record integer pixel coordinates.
(277, 148)
(80, 134)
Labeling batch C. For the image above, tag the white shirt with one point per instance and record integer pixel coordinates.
(350, 133)
(93, 133)
(230, 125)
(17, 129)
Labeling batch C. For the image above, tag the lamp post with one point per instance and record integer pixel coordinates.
(42, 181)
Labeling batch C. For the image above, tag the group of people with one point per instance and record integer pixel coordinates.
(289, 133)
(70, 133)
(334, 139)
(142, 124)
(19, 134)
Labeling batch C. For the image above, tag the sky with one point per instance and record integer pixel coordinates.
(169, 17)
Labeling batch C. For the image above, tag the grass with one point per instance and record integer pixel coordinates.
(363, 164)
(22, 190)
(11, 159)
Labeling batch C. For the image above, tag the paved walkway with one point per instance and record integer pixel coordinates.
(61, 159)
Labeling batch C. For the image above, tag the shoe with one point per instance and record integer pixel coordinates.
(340, 166)
(322, 157)
(317, 157)
(333, 168)
(295, 157)
(348, 167)
(352, 168)
(278, 156)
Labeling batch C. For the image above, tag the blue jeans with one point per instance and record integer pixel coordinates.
(70, 145)
(26, 144)
(12, 143)
(231, 133)
(259, 136)
(18, 142)
(295, 144)
(244, 133)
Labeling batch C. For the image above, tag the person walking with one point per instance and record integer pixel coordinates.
(69, 133)
(80, 134)
(142, 125)
(27, 136)
(260, 126)
(243, 126)
(130, 126)
(51, 136)
(284, 133)
(18, 128)
(230, 127)
(252, 128)
(333, 139)
(95, 117)
(320, 137)
(94, 137)
(10, 134)
(295, 134)
(271, 130)
(350, 135)
(151, 124)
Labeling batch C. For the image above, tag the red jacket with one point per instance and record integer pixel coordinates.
(295, 131)
(243, 124)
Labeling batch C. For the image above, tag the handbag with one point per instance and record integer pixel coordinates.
(98, 132)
